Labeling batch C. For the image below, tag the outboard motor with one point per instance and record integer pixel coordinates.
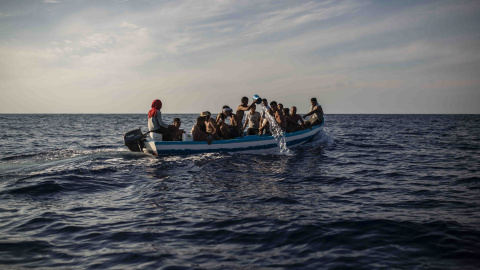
(134, 140)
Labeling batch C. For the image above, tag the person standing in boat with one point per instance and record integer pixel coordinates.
(264, 124)
(316, 114)
(242, 108)
(267, 108)
(156, 124)
(253, 121)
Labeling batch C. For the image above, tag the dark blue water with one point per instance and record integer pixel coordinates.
(374, 191)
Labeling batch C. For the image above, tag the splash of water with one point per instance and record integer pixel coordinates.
(277, 132)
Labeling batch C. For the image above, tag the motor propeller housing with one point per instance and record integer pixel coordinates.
(134, 140)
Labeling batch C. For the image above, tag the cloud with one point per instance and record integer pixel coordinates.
(237, 25)
(4, 15)
(97, 41)
(129, 25)
(270, 22)
(128, 48)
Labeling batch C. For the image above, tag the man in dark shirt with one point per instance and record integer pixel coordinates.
(292, 121)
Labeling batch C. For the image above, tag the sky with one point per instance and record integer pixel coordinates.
(392, 57)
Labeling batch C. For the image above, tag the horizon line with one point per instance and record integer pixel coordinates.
(219, 112)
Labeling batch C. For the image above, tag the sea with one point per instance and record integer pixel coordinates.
(368, 192)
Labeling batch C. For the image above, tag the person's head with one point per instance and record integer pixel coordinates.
(313, 101)
(294, 110)
(286, 111)
(221, 116)
(200, 121)
(280, 106)
(205, 115)
(176, 122)
(265, 102)
(244, 101)
(253, 108)
(227, 111)
(273, 104)
(157, 104)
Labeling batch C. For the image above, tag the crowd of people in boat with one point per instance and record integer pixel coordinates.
(228, 125)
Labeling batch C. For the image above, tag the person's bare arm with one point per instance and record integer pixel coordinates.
(301, 120)
(212, 126)
(314, 110)
(246, 122)
(233, 121)
(241, 108)
(250, 106)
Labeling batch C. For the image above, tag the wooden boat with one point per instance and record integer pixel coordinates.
(137, 142)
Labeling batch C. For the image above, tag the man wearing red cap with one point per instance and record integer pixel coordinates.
(155, 123)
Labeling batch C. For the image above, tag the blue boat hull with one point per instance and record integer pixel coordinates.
(247, 144)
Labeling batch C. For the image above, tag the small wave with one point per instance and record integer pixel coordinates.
(61, 154)
(45, 188)
(281, 200)
(470, 182)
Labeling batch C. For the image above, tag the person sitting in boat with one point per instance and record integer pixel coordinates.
(279, 117)
(178, 133)
(235, 125)
(292, 122)
(316, 114)
(242, 108)
(211, 126)
(197, 132)
(155, 123)
(221, 114)
(224, 129)
(253, 121)
(280, 107)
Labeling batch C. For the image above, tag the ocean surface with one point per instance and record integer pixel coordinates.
(370, 192)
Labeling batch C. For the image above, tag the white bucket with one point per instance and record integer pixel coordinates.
(155, 136)
(186, 137)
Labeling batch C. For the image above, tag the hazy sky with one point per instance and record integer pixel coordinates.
(354, 56)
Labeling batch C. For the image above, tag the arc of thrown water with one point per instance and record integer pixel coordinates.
(277, 132)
